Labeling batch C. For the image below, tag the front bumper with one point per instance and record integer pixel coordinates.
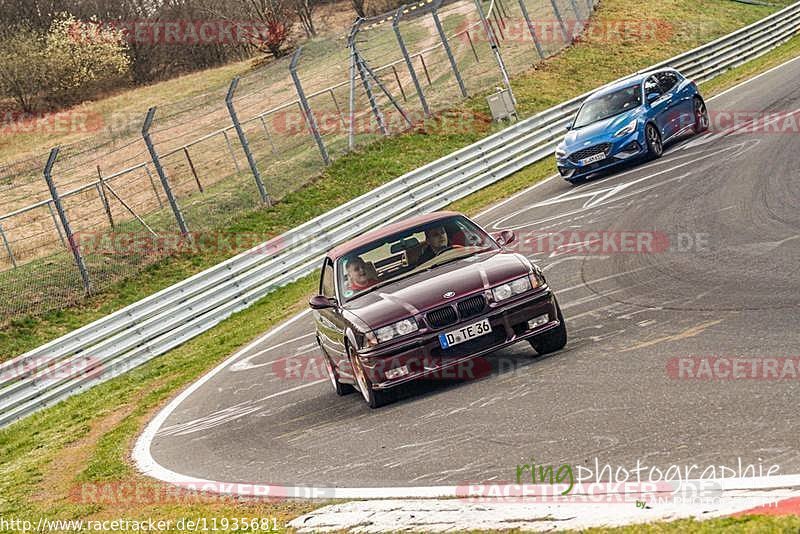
(622, 150)
(423, 355)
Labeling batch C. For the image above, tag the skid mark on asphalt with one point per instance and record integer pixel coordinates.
(246, 363)
(688, 333)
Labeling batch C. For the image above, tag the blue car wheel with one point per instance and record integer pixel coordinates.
(655, 147)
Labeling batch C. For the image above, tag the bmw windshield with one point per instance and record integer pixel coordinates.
(408, 252)
(607, 106)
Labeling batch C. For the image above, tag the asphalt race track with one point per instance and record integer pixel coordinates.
(727, 283)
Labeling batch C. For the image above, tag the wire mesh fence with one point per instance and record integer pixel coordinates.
(132, 195)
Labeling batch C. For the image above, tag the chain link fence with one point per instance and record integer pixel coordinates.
(164, 181)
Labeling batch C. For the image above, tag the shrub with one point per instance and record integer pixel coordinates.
(72, 62)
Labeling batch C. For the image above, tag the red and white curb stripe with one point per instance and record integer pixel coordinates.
(441, 515)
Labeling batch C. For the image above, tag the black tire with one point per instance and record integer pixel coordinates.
(340, 388)
(375, 398)
(701, 120)
(655, 146)
(552, 340)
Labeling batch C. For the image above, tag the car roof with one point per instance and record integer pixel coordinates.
(385, 231)
(633, 79)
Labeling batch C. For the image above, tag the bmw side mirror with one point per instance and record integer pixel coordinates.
(652, 97)
(505, 237)
(320, 302)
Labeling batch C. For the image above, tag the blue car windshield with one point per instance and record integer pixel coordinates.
(606, 106)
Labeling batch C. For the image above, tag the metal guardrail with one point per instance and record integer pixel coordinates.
(129, 337)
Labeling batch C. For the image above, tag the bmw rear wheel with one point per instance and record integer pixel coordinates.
(552, 340)
(375, 398)
(655, 147)
(701, 120)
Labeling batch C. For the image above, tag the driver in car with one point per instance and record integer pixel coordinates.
(436, 242)
(358, 277)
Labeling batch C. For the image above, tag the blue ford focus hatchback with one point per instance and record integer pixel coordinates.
(630, 119)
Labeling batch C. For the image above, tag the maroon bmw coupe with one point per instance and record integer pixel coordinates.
(424, 295)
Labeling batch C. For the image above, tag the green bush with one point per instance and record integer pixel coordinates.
(72, 62)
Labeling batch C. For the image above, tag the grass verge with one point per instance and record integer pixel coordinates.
(87, 438)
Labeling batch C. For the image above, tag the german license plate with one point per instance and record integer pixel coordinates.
(465, 333)
(593, 159)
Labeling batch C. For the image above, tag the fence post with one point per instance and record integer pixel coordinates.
(576, 10)
(351, 44)
(262, 190)
(73, 245)
(495, 50)
(409, 65)
(557, 12)
(531, 28)
(446, 45)
(8, 248)
(230, 149)
(148, 122)
(101, 190)
(352, 87)
(191, 168)
(310, 120)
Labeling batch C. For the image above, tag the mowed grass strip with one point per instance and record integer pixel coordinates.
(87, 439)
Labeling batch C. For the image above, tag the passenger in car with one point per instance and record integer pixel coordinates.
(359, 274)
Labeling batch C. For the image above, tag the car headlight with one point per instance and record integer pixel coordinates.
(628, 128)
(560, 152)
(400, 328)
(512, 288)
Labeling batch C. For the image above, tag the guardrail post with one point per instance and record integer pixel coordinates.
(448, 51)
(409, 65)
(262, 190)
(557, 12)
(531, 28)
(310, 120)
(8, 248)
(495, 49)
(73, 245)
(148, 122)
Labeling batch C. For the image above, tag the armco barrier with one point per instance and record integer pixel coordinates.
(127, 338)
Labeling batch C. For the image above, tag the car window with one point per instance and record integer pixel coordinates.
(405, 252)
(667, 81)
(651, 85)
(326, 285)
(605, 106)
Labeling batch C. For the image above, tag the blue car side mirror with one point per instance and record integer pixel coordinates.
(652, 97)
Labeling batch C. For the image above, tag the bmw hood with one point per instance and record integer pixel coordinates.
(426, 290)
